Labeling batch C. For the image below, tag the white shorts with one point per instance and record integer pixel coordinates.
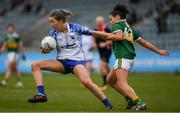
(13, 57)
(124, 63)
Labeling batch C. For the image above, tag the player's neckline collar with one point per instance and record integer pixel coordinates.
(121, 20)
(68, 27)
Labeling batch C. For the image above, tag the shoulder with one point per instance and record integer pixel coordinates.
(53, 33)
(79, 29)
(74, 27)
(16, 35)
(117, 27)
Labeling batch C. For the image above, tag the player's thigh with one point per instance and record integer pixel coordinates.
(104, 67)
(10, 64)
(50, 65)
(111, 78)
(81, 72)
(121, 75)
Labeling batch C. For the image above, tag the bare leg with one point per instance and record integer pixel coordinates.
(50, 65)
(112, 80)
(9, 70)
(81, 72)
(17, 73)
(104, 69)
(122, 83)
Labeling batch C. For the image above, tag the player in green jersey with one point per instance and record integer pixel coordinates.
(123, 37)
(13, 45)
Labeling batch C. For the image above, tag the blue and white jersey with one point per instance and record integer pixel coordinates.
(69, 44)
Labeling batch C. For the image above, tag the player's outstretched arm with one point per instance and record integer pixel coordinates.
(3, 47)
(108, 36)
(151, 47)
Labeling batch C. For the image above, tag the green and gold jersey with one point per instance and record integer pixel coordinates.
(13, 41)
(124, 48)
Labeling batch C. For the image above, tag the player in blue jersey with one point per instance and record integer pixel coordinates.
(70, 57)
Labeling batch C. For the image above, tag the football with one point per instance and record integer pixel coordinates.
(48, 42)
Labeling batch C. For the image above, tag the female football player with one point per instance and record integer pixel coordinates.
(123, 38)
(70, 57)
(13, 45)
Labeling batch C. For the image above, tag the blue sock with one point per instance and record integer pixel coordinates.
(40, 90)
(106, 103)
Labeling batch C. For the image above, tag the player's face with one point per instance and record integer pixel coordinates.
(10, 29)
(55, 23)
(114, 19)
(99, 22)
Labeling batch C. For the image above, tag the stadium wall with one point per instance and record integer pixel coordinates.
(144, 62)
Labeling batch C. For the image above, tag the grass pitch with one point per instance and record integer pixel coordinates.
(161, 92)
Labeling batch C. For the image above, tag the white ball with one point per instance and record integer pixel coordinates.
(48, 42)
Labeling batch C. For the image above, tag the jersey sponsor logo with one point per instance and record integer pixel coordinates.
(68, 41)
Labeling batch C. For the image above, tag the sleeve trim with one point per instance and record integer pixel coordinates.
(138, 38)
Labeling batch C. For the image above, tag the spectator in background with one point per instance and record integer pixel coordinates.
(1, 39)
(13, 45)
(174, 6)
(161, 20)
(33, 7)
(134, 1)
(104, 49)
(132, 18)
(14, 3)
(28, 7)
(163, 10)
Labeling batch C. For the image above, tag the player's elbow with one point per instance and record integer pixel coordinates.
(142, 42)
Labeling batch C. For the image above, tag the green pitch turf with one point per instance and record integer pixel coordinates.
(161, 92)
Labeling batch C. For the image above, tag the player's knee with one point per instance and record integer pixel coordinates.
(122, 84)
(87, 83)
(35, 66)
(108, 80)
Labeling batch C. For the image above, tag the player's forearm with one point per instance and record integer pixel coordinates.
(107, 36)
(3, 48)
(148, 45)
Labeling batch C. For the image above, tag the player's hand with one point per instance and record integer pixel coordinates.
(45, 51)
(23, 56)
(163, 52)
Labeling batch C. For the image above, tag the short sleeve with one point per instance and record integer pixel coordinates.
(53, 33)
(137, 35)
(80, 29)
(116, 27)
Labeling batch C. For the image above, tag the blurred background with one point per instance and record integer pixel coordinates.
(157, 20)
(158, 84)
